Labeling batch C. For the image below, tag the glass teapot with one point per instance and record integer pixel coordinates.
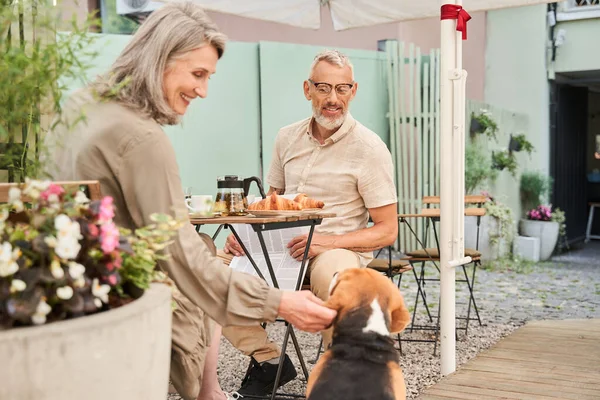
(232, 192)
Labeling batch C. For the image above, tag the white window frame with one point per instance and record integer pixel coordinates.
(570, 11)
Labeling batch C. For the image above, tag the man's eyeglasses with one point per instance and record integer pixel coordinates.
(325, 88)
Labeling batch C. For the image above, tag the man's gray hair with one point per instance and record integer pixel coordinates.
(333, 57)
(136, 77)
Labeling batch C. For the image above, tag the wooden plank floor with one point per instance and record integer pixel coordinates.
(542, 360)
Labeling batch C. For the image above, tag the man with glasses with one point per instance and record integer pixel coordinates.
(330, 157)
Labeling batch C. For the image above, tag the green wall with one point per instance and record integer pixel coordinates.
(515, 80)
(258, 86)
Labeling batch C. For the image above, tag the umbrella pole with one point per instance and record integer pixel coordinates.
(452, 121)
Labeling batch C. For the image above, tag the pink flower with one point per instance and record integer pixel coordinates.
(107, 212)
(53, 193)
(93, 229)
(115, 262)
(109, 236)
(112, 280)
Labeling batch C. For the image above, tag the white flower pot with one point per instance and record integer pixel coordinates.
(546, 231)
(121, 354)
(488, 227)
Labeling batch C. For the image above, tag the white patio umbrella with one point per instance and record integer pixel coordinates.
(357, 13)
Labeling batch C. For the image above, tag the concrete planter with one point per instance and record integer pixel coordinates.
(546, 231)
(121, 354)
(488, 227)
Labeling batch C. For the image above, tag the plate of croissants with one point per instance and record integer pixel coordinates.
(279, 205)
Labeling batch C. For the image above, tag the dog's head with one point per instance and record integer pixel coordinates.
(365, 289)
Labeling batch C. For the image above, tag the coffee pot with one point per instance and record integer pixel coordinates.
(232, 192)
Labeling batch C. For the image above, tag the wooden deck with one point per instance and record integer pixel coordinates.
(542, 360)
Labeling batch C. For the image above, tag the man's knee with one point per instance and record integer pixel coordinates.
(326, 264)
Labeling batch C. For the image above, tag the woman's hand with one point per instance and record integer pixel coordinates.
(305, 311)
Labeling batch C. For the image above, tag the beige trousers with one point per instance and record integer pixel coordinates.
(191, 337)
(253, 341)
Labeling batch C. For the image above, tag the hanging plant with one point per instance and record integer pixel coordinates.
(506, 223)
(520, 143)
(505, 160)
(483, 123)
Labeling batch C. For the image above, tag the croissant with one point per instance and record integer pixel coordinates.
(274, 202)
(307, 202)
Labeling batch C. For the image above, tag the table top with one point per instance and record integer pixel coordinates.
(248, 219)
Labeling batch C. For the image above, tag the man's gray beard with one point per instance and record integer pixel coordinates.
(328, 123)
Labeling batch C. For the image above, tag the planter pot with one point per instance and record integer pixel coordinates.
(121, 354)
(488, 227)
(476, 126)
(514, 145)
(546, 231)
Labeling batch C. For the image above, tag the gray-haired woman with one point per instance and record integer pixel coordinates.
(165, 66)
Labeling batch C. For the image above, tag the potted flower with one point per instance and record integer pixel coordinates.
(533, 188)
(520, 143)
(546, 225)
(504, 160)
(77, 308)
(482, 122)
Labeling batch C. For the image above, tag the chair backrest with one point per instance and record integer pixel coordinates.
(91, 188)
(469, 199)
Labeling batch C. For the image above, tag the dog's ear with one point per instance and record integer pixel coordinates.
(399, 315)
(400, 318)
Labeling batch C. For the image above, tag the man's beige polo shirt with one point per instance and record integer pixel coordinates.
(351, 172)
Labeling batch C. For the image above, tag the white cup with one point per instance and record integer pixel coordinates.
(200, 204)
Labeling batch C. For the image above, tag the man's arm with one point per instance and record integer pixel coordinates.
(275, 190)
(383, 233)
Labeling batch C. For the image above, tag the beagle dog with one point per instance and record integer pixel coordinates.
(362, 362)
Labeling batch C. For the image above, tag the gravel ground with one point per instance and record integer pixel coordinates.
(507, 295)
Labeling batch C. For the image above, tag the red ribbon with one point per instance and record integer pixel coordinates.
(453, 11)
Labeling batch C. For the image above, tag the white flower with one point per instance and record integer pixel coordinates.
(18, 206)
(67, 248)
(67, 228)
(53, 198)
(62, 222)
(3, 214)
(79, 282)
(81, 198)
(76, 270)
(41, 311)
(50, 241)
(98, 303)
(64, 293)
(34, 188)
(56, 270)
(100, 291)
(8, 257)
(14, 194)
(17, 285)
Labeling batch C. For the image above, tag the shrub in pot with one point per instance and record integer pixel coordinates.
(534, 187)
(483, 123)
(67, 268)
(546, 225)
(34, 68)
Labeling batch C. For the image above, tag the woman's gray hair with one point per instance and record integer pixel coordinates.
(333, 57)
(136, 77)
